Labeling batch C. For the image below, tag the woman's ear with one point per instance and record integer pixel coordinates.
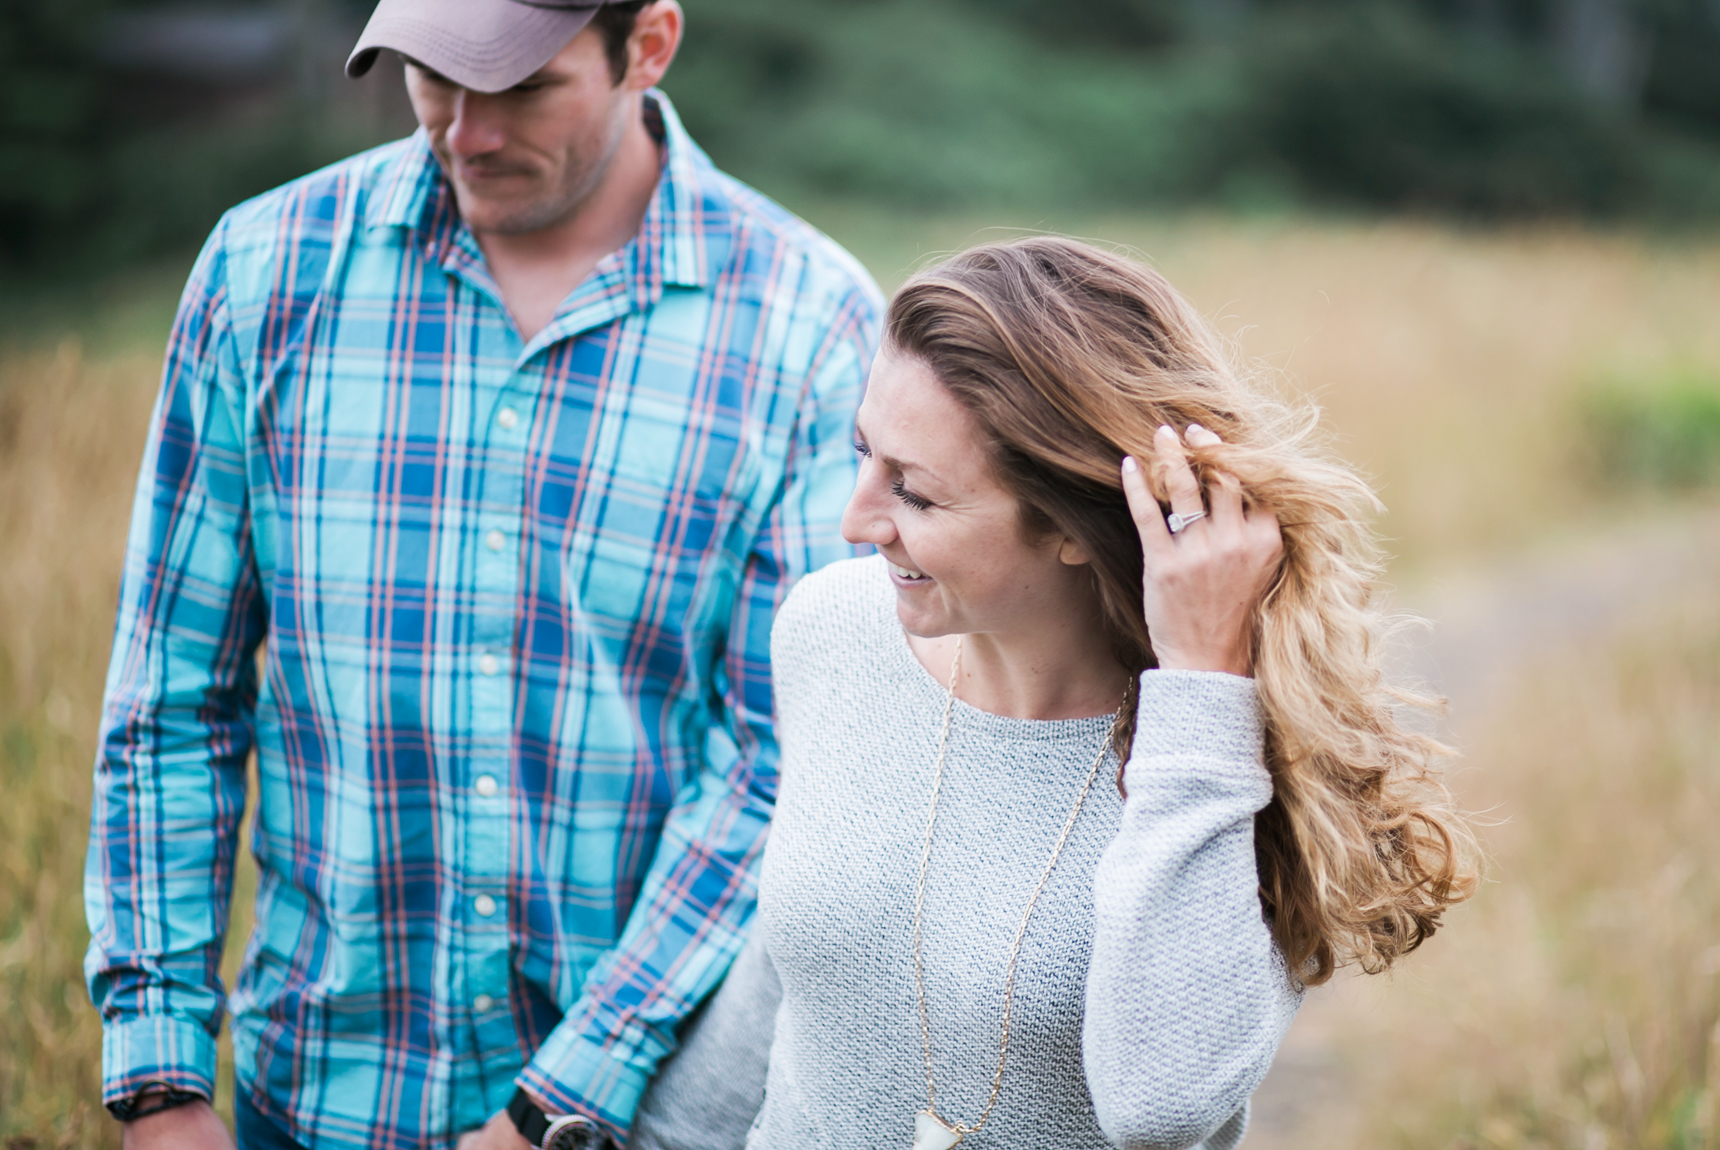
(1072, 552)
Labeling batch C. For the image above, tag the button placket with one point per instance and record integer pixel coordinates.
(504, 401)
(486, 830)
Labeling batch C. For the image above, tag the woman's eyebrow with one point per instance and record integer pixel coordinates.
(891, 461)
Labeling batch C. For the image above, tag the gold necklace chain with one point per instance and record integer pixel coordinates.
(959, 1129)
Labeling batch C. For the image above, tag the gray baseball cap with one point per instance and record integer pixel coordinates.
(485, 45)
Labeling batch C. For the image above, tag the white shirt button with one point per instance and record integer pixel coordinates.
(489, 664)
(483, 1004)
(485, 785)
(495, 541)
(484, 905)
(508, 418)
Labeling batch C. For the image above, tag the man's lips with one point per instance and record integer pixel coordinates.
(475, 172)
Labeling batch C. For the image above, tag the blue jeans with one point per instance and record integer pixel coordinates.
(255, 1132)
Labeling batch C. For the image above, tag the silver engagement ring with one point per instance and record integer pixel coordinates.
(1176, 520)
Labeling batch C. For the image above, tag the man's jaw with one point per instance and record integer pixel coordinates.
(488, 211)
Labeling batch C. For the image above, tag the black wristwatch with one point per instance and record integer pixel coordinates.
(566, 1132)
(153, 1098)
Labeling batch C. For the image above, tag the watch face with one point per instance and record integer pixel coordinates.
(573, 1133)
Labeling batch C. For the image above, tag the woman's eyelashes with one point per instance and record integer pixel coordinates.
(908, 497)
(897, 488)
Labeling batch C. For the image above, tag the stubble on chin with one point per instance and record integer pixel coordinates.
(540, 198)
(520, 215)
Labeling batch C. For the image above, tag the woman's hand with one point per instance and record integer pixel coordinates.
(1202, 583)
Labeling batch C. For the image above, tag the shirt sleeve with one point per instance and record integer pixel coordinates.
(176, 720)
(1187, 994)
(698, 897)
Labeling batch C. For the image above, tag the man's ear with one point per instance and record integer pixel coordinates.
(1072, 552)
(651, 48)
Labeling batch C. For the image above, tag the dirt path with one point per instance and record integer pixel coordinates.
(1488, 624)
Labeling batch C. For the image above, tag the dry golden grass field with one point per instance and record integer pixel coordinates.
(1572, 1004)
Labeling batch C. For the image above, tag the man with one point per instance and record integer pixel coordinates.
(502, 443)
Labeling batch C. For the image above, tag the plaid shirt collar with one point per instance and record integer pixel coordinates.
(672, 247)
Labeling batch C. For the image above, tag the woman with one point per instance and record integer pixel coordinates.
(1090, 770)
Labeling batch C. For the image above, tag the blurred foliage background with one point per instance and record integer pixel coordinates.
(126, 126)
(1473, 108)
(1484, 235)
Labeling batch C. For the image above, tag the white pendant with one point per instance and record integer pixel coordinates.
(930, 1133)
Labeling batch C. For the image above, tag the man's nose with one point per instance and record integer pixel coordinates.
(477, 125)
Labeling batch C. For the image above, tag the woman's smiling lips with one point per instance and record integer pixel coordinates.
(906, 576)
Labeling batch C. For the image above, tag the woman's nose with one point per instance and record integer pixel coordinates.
(866, 518)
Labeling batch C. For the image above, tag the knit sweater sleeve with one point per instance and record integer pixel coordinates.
(1187, 995)
(706, 1095)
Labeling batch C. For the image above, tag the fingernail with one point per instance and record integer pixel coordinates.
(1194, 427)
(1129, 465)
(1165, 427)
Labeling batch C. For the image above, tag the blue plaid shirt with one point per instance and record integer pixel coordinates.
(512, 714)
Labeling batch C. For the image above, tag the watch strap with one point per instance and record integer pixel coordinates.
(152, 1099)
(563, 1132)
(527, 1118)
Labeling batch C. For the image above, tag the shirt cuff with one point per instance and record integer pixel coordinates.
(1205, 715)
(156, 1048)
(575, 1074)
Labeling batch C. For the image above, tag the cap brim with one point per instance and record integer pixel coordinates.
(485, 45)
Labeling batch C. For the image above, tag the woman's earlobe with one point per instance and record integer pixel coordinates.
(1073, 553)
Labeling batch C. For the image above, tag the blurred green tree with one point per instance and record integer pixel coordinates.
(1381, 106)
(128, 126)
(50, 122)
(1682, 86)
(1478, 108)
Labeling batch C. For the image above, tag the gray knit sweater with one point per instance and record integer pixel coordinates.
(1150, 997)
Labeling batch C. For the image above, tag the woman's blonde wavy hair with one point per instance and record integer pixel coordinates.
(1070, 358)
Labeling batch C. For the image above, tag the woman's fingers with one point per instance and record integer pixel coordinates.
(1182, 488)
(1143, 507)
(1200, 587)
(1222, 499)
(1266, 533)
(1199, 436)
(1223, 490)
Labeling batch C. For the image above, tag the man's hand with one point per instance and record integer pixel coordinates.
(497, 1134)
(193, 1126)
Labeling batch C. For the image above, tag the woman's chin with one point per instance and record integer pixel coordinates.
(919, 622)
